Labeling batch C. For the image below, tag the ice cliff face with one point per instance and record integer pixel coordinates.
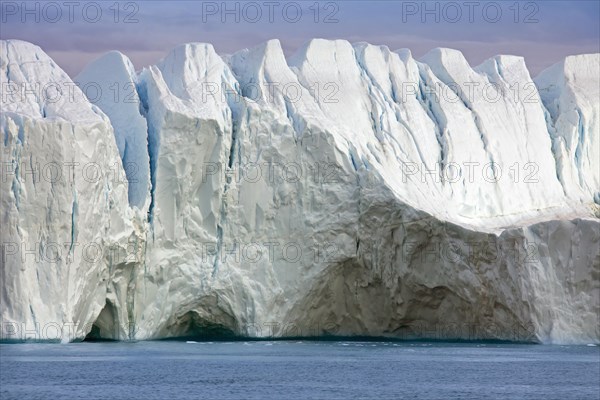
(349, 190)
(64, 197)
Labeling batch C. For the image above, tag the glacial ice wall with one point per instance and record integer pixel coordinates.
(350, 190)
(64, 198)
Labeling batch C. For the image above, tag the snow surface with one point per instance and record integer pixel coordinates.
(343, 230)
(111, 81)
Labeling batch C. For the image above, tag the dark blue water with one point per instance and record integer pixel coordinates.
(298, 370)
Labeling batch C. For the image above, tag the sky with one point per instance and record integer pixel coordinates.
(74, 33)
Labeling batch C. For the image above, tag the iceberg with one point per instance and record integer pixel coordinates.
(348, 190)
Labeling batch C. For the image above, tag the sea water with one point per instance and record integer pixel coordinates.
(298, 370)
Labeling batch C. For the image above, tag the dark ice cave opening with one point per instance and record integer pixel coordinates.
(104, 328)
(191, 326)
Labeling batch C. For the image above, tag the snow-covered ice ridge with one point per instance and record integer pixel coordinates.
(255, 195)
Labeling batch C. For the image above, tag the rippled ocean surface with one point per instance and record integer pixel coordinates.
(298, 370)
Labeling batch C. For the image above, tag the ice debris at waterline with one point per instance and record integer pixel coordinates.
(347, 190)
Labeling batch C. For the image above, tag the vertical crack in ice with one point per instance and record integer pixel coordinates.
(223, 206)
(234, 145)
(436, 117)
(33, 176)
(8, 58)
(381, 102)
(351, 154)
(216, 263)
(228, 178)
(291, 116)
(555, 141)
(34, 318)
(477, 121)
(394, 105)
(579, 147)
(376, 120)
(232, 102)
(21, 132)
(446, 79)
(499, 69)
(74, 214)
(353, 160)
(153, 145)
(130, 303)
(16, 183)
